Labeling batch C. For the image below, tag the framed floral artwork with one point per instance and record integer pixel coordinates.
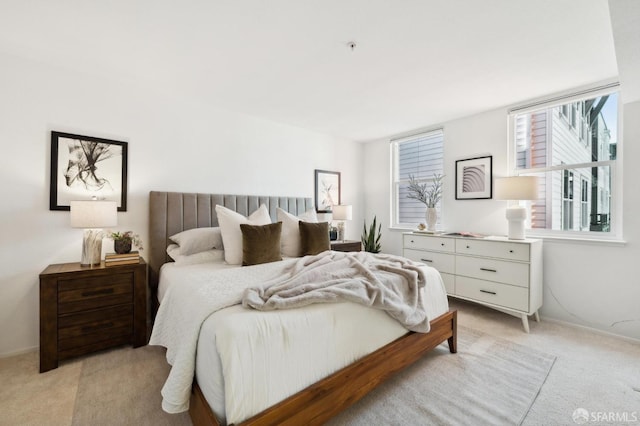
(327, 192)
(84, 167)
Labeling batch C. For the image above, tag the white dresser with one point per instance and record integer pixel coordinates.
(494, 271)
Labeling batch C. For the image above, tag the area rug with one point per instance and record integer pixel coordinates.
(122, 387)
(489, 381)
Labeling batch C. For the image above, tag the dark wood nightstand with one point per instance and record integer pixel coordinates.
(84, 309)
(348, 245)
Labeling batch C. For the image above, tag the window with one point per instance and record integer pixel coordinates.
(572, 147)
(567, 200)
(584, 204)
(420, 156)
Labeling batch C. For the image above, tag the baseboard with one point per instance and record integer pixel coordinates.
(20, 352)
(590, 329)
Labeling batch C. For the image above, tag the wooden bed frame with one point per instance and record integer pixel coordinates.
(172, 212)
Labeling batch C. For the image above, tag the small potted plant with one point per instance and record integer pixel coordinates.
(371, 238)
(122, 241)
(428, 195)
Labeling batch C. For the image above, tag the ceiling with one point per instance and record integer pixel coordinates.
(416, 62)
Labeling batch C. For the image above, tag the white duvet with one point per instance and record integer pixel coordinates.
(318, 339)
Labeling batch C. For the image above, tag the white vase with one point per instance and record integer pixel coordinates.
(432, 218)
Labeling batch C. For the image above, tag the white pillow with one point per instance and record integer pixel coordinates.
(230, 222)
(207, 256)
(196, 240)
(290, 237)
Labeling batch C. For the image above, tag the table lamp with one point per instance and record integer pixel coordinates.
(342, 212)
(92, 216)
(516, 188)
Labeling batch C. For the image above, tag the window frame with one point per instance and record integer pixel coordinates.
(615, 234)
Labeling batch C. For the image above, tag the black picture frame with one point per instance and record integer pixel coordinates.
(327, 188)
(474, 178)
(83, 167)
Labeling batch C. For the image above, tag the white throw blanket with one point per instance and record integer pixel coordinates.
(339, 276)
(380, 281)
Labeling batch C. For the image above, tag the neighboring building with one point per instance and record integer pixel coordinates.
(571, 198)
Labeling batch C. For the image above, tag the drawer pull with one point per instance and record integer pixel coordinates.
(468, 247)
(488, 270)
(488, 292)
(91, 328)
(97, 292)
(427, 260)
(442, 244)
(510, 251)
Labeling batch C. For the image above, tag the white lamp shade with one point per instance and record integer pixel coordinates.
(94, 214)
(342, 212)
(516, 188)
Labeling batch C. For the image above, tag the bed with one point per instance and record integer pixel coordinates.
(324, 397)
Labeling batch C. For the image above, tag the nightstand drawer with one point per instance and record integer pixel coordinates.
(346, 245)
(502, 250)
(504, 295)
(96, 292)
(421, 242)
(514, 273)
(443, 262)
(86, 328)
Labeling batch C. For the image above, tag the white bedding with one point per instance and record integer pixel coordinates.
(320, 338)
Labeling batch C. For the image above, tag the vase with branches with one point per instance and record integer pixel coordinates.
(429, 195)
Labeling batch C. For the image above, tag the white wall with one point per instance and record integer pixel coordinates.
(174, 144)
(590, 284)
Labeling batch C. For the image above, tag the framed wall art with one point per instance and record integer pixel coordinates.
(83, 167)
(327, 190)
(474, 178)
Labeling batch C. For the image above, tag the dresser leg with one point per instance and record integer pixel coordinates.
(536, 315)
(525, 322)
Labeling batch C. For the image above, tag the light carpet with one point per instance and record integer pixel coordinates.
(489, 381)
(122, 387)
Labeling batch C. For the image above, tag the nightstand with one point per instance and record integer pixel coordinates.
(346, 245)
(84, 309)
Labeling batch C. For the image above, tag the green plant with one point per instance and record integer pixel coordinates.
(126, 235)
(371, 238)
(430, 196)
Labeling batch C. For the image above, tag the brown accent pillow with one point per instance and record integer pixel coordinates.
(314, 237)
(260, 243)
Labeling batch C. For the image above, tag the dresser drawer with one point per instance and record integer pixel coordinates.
(95, 292)
(501, 271)
(443, 262)
(504, 295)
(421, 242)
(499, 249)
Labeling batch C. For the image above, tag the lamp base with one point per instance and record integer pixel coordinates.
(342, 226)
(91, 247)
(516, 216)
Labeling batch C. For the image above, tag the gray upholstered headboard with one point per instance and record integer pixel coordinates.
(172, 212)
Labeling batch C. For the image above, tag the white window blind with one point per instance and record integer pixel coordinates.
(420, 156)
